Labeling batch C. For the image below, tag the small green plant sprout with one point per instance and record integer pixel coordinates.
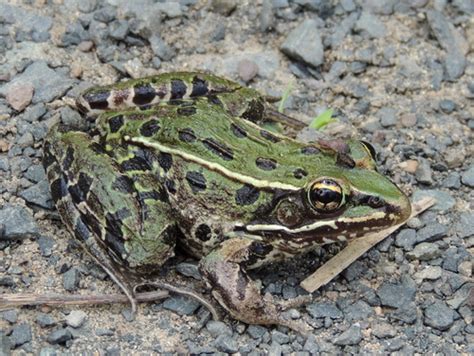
(284, 97)
(323, 119)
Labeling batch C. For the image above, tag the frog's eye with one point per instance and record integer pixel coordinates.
(370, 149)
(326, 196)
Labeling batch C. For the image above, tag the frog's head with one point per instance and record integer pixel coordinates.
(344, 201)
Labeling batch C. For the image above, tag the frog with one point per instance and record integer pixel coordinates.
(186, 159)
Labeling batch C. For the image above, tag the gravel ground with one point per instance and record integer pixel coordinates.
(399, 74)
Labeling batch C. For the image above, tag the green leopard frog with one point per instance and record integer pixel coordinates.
(182, 158)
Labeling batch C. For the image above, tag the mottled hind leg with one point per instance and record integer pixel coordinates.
(224, 270)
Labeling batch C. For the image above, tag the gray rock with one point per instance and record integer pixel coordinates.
(10, 315)
(38, 194)
(406, 239)
(383, 330)
(49, 84)
(161, 49)
(17, 221)
(351, 336)
(396, 295)
(223, 7)
(311, 345)
(280, 338)
(387, 116)
(76, 318)
(371, 24)
(59, 336)
(4, 164)
(360, 310)
(423, 172)
(383, 7)
(348, 5)
(20, 335)
(46, 245)
(431, 232)
(451, 41)
(453, 180)
(87, 6)
(464, 226)
(226, 343)
(324, 309)
(35, 173)
(439, 316)
(342, 30)
(106, 14)
(429, 273)
(189, 270)
(444, 200)
(266, 16)
(217, 328)
(406, 313)
(256, 331)
(31, 23)
(119, 30)
(181, 305)
(5, 345)
(170, 9)
(104, 332)
(304, 43)
(424, 251)
(72, 118)
(461, 296)
(71, 279)
(447, 106)
(467, 178)
(45, 320)
(7, 281)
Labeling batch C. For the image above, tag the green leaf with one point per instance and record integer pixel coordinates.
(284, 98)
(322, 120)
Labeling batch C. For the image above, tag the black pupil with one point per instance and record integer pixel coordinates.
(325, 195)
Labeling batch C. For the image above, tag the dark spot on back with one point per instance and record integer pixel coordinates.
(258, 251)
(247, 195)
(92, 223)
(84, 182)
(149, 128)
(345, 161)
(203, 232)
(266, 164)
(214, 100)
(238, 131)
(254, 111)
(200, 87)
(68, 158)
(145, 107)
(144, 94)
(310, 150)
(165, 160)
(98, 100)
(186, 110)
(178, 89)
(187, 135)
(95, 147)
(219, 149)
(170, 186)
(123, 184)
(299, 173)
(115, 123)
(58, 189)
(268, 136)
(196, 181)
(136, 164)
(48, 157)
(160, 195)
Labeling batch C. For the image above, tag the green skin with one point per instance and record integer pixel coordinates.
(199, 172)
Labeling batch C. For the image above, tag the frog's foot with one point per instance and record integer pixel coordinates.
(182, 291)
(240, 295)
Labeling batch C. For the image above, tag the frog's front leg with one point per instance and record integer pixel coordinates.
(225, 270)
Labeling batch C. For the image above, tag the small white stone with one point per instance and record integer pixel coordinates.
(76, 318)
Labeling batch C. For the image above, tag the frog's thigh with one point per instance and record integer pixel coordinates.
(234, 289)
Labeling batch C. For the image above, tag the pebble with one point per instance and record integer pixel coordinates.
(181, 305)
(424, 252)
(161, 49)
(76, 318)
(359, 310)
(19, 96)
(342, 30)
(406, 313)
(267, 17)
(465, 268)
(21, 334)
(447, 106)
(467, 177)
(348, 5)
(87, 6)
(408, 119)
(351, 336)
(59, 336)
(17, 221)
(324, 309)
(311, 345)
(280, 338)
(45, 320)
(106, 14)
(118, 30)
(431, 232)
(247, 70)
(444, 200)
(387, 116)
(406, 239)
(256, 331)
(5, 345)
(217, 328)
(223, 7)
(370, 24)
(439, 316)
(71, 279)
(226, 343)
(383, 330)
(423, 173)
(304, 43)
(10, 315)
(38, 194)
(431, 273)
(35, 173)
(396, 295)
(48, 84)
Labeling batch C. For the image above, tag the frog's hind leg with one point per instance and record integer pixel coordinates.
(95, 201)
(224, 270)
